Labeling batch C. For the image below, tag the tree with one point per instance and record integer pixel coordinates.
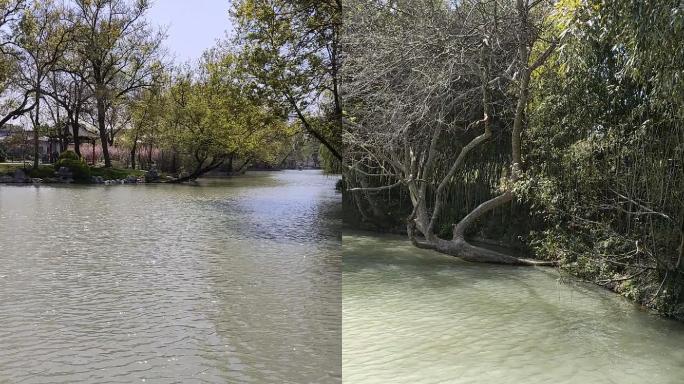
(41, 41)
(11, 108)
(214, 116)
(70, 93)
(148, 113)
(291, 49)
(422, 77)
(122, 54)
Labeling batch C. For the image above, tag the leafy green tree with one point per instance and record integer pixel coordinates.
(606, 149)
(214, 117)
(148, 111)
(122, 54)
(291, 50)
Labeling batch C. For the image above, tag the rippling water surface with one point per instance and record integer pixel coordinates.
(229, 281)
(413, 316)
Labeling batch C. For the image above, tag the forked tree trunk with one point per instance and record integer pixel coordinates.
(458, 245)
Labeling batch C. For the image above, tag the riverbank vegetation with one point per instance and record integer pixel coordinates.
(94, 77)
(554, 127)
(47, 173)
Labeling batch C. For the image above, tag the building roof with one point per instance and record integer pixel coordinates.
(84, 132)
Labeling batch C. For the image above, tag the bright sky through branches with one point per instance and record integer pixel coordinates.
(193, 25)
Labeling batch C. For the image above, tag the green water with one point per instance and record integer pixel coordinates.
(414, 316)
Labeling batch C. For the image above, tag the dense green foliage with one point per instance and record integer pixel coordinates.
(95, 71)
(115, 173)
(291, 49)
(78, 166)
(606, 151)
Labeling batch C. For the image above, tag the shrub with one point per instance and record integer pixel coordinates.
(3, 155)
(68, 155)
(43, 172)
(115, 173)
(78, 166)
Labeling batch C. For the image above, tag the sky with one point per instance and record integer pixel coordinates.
(193, 25)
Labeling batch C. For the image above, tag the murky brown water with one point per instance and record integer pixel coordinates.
(414, 316)
(230, 281)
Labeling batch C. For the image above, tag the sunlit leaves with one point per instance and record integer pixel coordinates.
(606, 146)
(213, 113)
(290, 50)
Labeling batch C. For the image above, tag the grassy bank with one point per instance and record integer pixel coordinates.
(115, 173)
(48, 171)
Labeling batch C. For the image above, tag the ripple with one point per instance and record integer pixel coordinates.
(414, 316)
(227, 281)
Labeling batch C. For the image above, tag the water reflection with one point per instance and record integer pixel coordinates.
(227, 281)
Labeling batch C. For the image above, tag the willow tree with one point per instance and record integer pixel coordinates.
(291, 49)
(427, 85)
(213, 116)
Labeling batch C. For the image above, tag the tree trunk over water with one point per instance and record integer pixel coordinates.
(201, 170)
(459, 246)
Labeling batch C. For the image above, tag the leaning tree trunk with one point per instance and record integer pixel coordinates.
(201, 170)
(458, 246)
(243, 166)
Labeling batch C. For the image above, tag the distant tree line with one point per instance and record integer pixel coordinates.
(71, 65)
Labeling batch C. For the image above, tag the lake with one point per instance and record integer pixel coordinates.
(230, 280)
(415, 316)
